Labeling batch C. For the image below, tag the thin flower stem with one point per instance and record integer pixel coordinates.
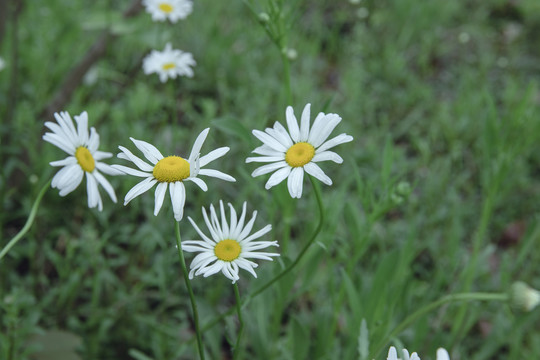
(306, 247)
(240, 320)
(190, 291)
(29, 221)
(286, 77)
(444, 300)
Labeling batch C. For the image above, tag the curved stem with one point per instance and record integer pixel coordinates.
(190, 291)
(240, 320)
(28, 223)
(444, 300)
(306, 247)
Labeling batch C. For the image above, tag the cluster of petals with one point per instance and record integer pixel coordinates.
(312, 146)
(84, 158)
(207, 262)
(172, 10)
(442, 354)
(177, 189)
(169, 63)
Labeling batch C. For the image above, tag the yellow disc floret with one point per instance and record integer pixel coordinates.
(168, 66)
(299, 154)
(171, 169)
(166, 8)
(227, 250)
(85, 159)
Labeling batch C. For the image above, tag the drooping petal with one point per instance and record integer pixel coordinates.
(161, 190)
(178, 198)
(139, 189)
(278, 177)
(315, 171)
(295, 182)
(149, 151)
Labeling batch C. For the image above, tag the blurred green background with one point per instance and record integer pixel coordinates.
(441, 95)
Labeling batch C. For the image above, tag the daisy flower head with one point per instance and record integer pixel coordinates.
(170, 171)
(169, 63)
(84, 158)
(290, 153)
(173, 10)
(229, 246)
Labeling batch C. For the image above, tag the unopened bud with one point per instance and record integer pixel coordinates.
(290, 53)
(522, 297)
(264, 17)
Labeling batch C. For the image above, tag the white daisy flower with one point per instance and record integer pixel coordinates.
(442, 354)
(297, 150)
(173, 10)
(229, 246)
(169, 63)
(170, 171)
(84, 158)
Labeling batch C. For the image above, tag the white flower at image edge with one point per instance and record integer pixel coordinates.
(173, 10)
(229, 246)
(171, 172)
(2, 64)
(442, 354)
(169, 63)
(292, 152)
(84, 158)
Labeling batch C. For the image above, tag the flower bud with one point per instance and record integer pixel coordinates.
(522, 297)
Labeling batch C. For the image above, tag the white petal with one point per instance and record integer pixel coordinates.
(161, 189)
(292, 124)
(70, 160)
(93, 141)
(82, 127)
(234, 220)
(109, 169)
(304, 127)
(320, 134)
(268, 151)
(129, 171)
(139, 189)
(340, 139)
(93, 193)
(245, 264)
(59, 143)
(178, 198)
(278, 177)
(327, 155)
(65, 122)
(281, 129)
(216, 174)
(284, 139)
(63, 175)
(200, 183)
(314, 170)
(106, 185)
(258, 234)
(100, 155)
(240, 225)
(269, 141)
(201, 234)
(195, 151)
(224, 224)
(213, 155)
(265, 169)
(71, 181)
(295, 182)
(392, 354)
(128, 155)
(149, 151)
(265, 158)
(247, 228)
(442, 354)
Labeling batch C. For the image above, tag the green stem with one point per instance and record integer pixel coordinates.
(29, 221)
(240, 320)
(444, 300)
(190, 291)
(306, 247)
(286, 76)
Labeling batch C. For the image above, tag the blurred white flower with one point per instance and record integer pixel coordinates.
(442, 354)
(170, 171)
(173, 10)
(169, 63)
(2, 64)
(84, 158)
(230, 245)
(292, 152)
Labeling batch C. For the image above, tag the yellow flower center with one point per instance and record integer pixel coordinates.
(166, 8)
(228, 250)
(168, 66)
(171, 169)
(85, 159)
(299, 154)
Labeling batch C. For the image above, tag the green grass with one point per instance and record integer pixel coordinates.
(442, 95)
